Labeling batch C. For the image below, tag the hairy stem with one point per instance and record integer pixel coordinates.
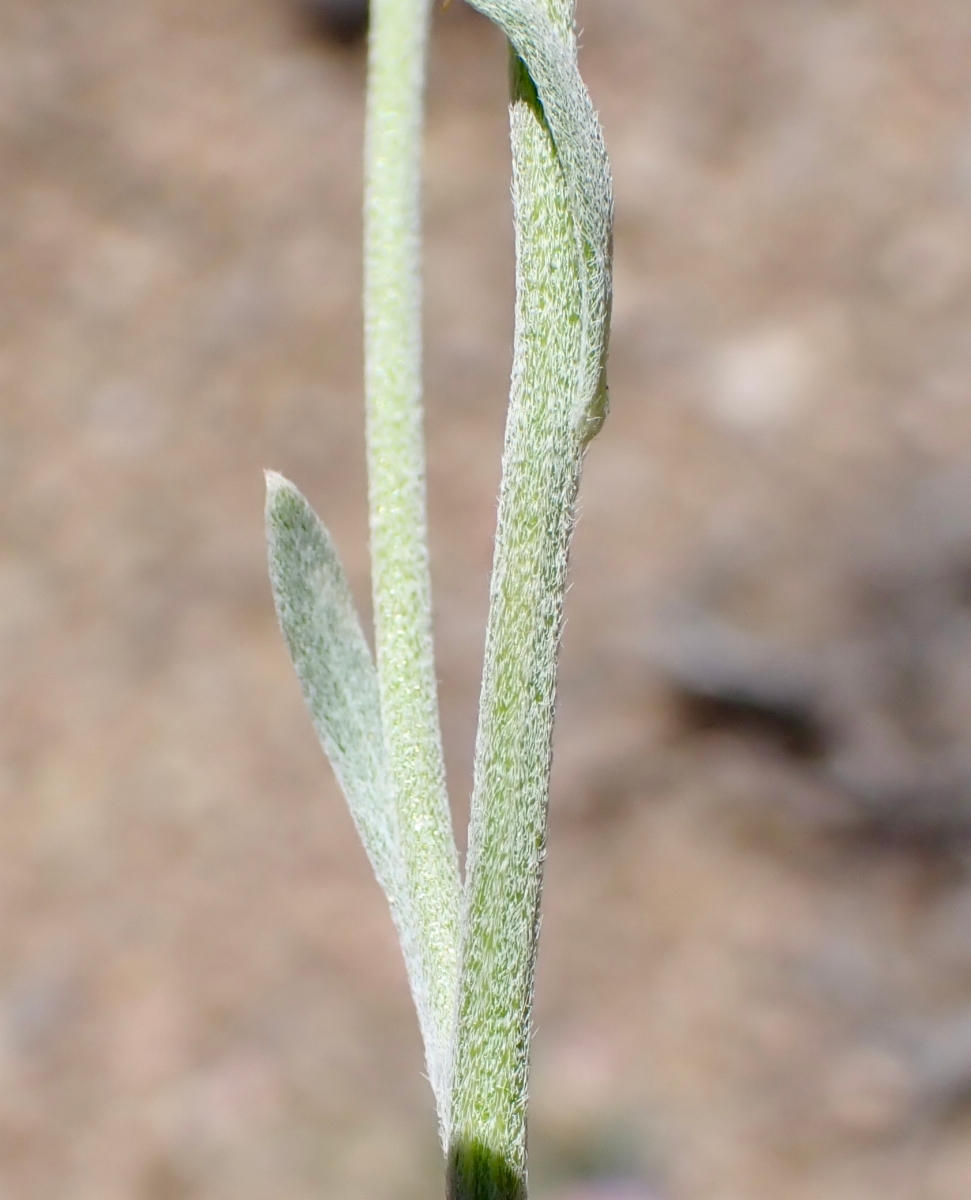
(399, 544)
(552, 414)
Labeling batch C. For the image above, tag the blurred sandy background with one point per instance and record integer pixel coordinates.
(200, 994)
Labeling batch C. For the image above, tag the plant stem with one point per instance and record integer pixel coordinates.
(396, 473)
(541, 470)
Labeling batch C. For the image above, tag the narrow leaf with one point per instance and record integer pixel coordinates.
(549, 55)
(333, 663)
(340, 686)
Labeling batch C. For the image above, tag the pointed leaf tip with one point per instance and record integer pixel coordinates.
(273, 479)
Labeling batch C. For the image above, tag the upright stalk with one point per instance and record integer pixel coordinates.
(396, 475)
(556, 403)
(379, 725)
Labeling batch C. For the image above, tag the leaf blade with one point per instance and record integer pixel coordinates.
(333, 663)
(341, 689)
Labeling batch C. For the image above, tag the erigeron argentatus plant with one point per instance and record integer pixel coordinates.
(469, 947)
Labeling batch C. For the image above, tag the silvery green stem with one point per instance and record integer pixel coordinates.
(396, 472)
(562, 209)
(379, 726)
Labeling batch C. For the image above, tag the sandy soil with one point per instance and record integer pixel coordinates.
(201, 996)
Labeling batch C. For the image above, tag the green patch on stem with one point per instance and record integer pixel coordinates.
(478, 1173)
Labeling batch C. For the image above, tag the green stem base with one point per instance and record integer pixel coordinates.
(477, 1173)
